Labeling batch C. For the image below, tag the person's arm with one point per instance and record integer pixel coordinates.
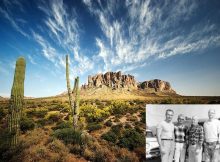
(201, 136)
(187, 136)
(218, 142)
(159, 131)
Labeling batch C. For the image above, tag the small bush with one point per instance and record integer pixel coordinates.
(93, 113)
(94, 126)
(2, 113)
(38, 112)
(131, 139)
(26, 124)
(117, 129)
(108, 123)
(69, 136)
(62, 125)
(53, 116)
(110, 136)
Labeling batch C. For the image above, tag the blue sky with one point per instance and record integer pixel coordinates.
(173, 40)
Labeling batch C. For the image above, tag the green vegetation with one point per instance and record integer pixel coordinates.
(94, 126)
(16, 101)
(74, 105)
(26, 124)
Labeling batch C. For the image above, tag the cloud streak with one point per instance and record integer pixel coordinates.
(62, 23)
(148, 30)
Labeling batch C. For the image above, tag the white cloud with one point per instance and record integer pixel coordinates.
(64, 31)
(148, 30)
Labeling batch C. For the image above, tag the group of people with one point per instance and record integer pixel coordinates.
(176, 140)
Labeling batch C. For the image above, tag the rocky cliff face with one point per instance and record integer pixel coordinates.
(116, 80)
(156, 85)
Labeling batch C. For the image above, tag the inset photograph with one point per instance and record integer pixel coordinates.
(182, 133)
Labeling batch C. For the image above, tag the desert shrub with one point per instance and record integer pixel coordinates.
(69, 136)
(127, 125)
(62, 125)
(143, 116)
(93, 113)
(110, 136)
(131, 139)
(2, 113)
(117, 129)
(26, 124)
(94, 126)
(53, 116)
(88, 154)
(56, 146)
(41, 122)
(38, 112)
(124, 155)
(75, 149)
(108, 123)
(120, 107)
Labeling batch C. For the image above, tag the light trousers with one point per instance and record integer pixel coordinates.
(169, 151)
(195, 153)
(211, 153)
(180, 152)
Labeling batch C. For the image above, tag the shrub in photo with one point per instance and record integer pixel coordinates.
(94, 126)
(26, 124)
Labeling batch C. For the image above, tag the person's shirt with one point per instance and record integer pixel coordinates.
(180, 133)
(212, 130)
(167, 130)
(195, 135)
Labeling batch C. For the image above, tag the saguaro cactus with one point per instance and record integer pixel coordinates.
(74, 105)
(16, 101)
(76, 101)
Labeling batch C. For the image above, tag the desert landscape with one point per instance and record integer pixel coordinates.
(110, 119)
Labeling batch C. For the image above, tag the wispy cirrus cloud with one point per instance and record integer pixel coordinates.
(62, 24)
(149, 29)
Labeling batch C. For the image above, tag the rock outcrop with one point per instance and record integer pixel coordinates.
(114, 80)
(156, 85)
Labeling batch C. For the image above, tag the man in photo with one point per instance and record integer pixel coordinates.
(165, 137)
(195, 139)
(212, 138)
(180, 142)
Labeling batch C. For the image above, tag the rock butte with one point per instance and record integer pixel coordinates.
(117, 80)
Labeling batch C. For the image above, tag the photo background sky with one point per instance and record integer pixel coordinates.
(176, 41)
(156, 113)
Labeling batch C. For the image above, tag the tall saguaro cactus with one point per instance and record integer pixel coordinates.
(73, 104)
(76, 101)
(16, 101)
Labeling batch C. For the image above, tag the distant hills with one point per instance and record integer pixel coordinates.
(116, 85)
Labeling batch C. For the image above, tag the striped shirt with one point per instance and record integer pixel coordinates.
(195, 135)
(180, 133)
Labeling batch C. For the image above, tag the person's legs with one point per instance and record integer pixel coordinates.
(191, 151)
(165, 155)
(198, 154)
(207, 153)
(216, 155)
(183, 153)
(177, 152)
(171, 151)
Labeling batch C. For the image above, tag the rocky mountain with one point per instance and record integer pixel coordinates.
(156, 85)
(119, 81)
(114, 80)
